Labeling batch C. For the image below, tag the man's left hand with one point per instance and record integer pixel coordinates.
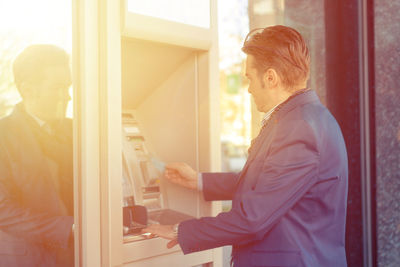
(164, 231)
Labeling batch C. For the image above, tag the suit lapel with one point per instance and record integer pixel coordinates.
(23, 127)
(256, 145)
(43, 169)
(259, 141)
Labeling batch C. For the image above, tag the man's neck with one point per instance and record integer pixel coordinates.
(275, 98)
(280, 95)
(284, 93)
(296, 88)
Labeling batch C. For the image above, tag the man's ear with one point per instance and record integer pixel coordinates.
(26, 90)
(271, 78)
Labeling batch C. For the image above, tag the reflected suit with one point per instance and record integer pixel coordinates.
(289, 201)
(36, 199)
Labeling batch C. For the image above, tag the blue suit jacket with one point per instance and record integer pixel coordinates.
(289, 201)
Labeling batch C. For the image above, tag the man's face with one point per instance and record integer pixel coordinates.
(257, 87)
(50, 97)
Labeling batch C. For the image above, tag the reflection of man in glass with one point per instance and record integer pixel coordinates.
(36, 197)
(289, 201)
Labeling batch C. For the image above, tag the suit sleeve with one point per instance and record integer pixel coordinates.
(219, 186)
(289, 170)
(22, 222)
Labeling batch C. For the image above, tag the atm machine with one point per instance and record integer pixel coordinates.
(165, 118)
(145, 199)
(169, 113)
(146, 93)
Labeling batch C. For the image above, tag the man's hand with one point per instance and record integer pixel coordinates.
(164, 231)
(182, 174)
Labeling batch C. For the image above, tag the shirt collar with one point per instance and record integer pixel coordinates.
(268, 115)
(39, 121)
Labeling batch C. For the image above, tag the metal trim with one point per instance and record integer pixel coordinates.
(365, 149)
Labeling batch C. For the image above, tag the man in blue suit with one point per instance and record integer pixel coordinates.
(36, 199)
(289, 201)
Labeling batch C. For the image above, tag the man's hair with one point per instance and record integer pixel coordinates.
(282, 49)
(31, 63)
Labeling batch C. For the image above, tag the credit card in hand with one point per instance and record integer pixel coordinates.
(160, 165)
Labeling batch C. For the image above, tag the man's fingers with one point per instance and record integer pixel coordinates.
(149, 232)
(174, 177)
(172, 174)
(146, 231)
(164, 231)
(172, 243)
(149, 235)
(174, 166)
(182, 174)
(171, 171)
(153, 229)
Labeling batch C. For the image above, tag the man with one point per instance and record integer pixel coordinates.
(289, 201)
(36, 199)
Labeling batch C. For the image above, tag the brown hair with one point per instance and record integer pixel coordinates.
(31, 63)
(281, 48)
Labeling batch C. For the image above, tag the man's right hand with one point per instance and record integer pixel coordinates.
(182, 174)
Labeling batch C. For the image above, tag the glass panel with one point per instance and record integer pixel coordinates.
(233, 25)
(191, 12)
(36, 172)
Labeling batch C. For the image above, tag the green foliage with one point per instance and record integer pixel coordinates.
(10, 45)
